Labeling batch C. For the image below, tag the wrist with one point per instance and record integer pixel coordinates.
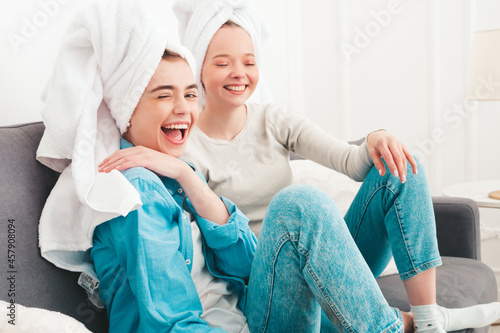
(379, 130)
(185, 172)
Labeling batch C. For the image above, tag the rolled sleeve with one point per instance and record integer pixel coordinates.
(218, 236)
(231, 246)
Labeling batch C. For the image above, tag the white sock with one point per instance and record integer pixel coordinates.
(426, 318)
(471, 317)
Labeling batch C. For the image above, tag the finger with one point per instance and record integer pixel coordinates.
(405, 162)
(402, 154)
(412, 160)
(122, 164)
(111, 165)
(389, 160)
(118, 155)
(117, 159)
(114, 156)
(377, 162)
(108, 159)
(400, 161)
(107, 164)
(111, 160)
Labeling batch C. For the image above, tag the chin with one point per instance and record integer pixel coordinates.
(175, 152)
(177, 155)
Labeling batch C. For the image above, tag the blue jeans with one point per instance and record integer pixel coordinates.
(309, 260)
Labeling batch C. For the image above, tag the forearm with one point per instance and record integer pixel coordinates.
(323, 148)
(306, 139)
(206, 203)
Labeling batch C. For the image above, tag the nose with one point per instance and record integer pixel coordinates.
(182, 106)
(238, 71)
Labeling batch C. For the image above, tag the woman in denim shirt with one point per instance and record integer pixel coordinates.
(181, 262)
(145, 259)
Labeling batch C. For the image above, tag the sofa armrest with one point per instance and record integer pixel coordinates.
(25, 185)
(457, 225)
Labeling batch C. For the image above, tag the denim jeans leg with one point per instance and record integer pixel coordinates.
(307, 259)
(388, 218)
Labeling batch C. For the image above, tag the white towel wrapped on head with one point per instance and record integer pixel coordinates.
(106, 60)
(199, 20)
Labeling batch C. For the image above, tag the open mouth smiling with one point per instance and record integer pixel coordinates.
(176, 133)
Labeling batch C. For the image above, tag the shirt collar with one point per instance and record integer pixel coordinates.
(125, 144)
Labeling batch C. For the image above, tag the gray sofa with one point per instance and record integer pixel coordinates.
(25, 184)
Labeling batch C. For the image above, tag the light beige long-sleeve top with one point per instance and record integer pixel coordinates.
(255, 165)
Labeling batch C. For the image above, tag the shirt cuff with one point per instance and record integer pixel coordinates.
(222, 236)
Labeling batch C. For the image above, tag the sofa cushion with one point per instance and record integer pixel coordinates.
(25, 185)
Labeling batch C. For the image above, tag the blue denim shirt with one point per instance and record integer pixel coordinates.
(228, 249)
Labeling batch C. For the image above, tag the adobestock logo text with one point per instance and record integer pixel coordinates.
(363, 37)
(31, 25)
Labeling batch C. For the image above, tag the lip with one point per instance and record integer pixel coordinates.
(236, 92)
(185, 132)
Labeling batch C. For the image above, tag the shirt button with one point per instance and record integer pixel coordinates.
(188, 262)
(179, 190)
(184, 216)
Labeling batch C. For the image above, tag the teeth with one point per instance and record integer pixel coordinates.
(176, 126)
(236, 88)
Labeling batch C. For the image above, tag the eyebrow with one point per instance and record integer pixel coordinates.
(228, 56)
(170, 87)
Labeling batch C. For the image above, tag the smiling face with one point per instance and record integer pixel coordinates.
(230, 73)
(167, 110)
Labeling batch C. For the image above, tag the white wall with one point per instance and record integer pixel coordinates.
(29, 42)
(30, 34)
(400, 65)
(407, 73)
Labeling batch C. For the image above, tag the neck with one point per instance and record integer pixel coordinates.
(222, 123)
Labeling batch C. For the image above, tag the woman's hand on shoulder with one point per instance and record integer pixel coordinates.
(382, 144)
(139, 156)
(207, 204)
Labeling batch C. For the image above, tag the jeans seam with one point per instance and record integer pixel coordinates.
(271, 276)
(364, 210)
(341, 319)
(403, 235)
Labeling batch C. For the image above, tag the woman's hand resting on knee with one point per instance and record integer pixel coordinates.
(382, 144)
